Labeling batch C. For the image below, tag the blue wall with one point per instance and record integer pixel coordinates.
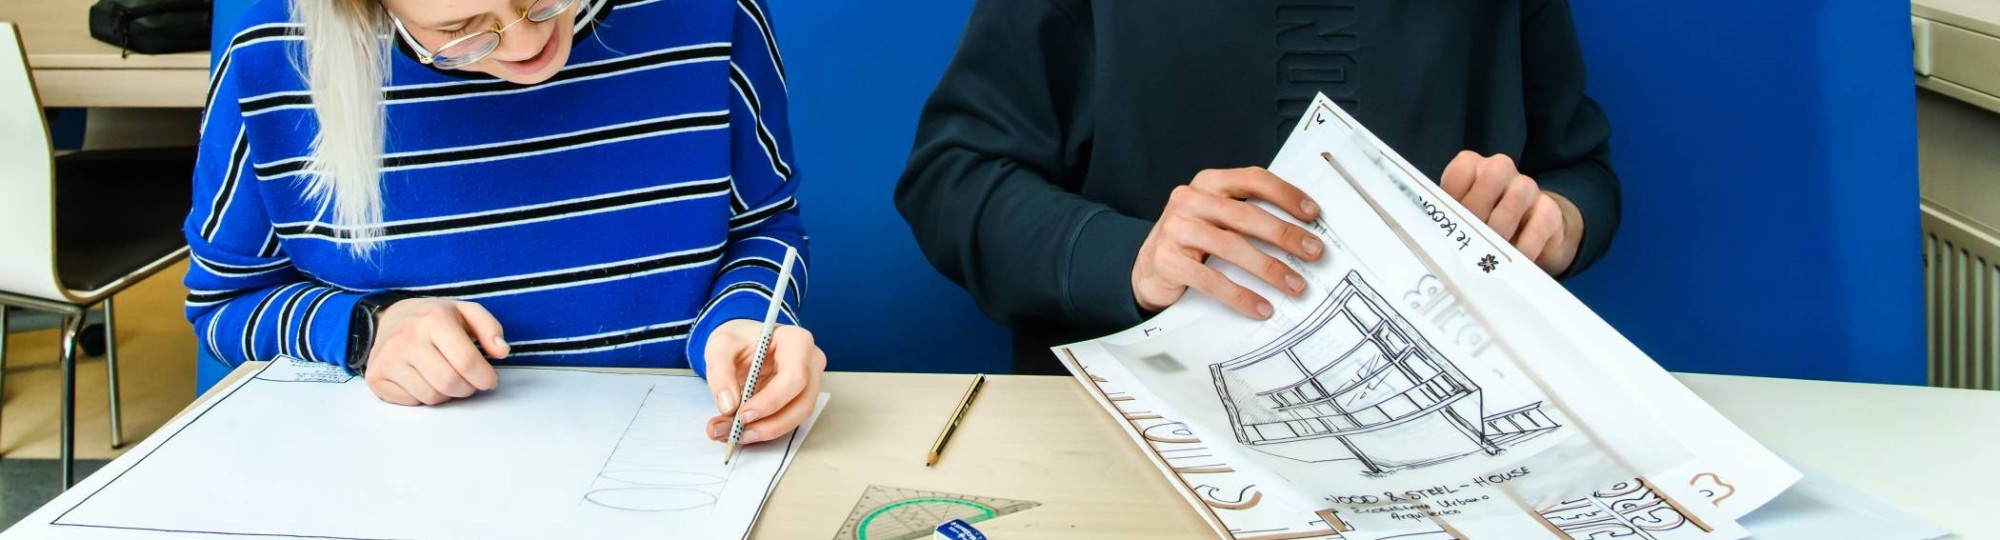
(859, 71)
(1768, 152)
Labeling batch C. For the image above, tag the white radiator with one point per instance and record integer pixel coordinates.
(1961, 301)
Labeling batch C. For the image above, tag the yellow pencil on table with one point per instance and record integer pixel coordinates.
(763, 346)
(957, 415)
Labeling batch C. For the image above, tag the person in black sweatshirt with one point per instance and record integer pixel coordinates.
(1080, 159)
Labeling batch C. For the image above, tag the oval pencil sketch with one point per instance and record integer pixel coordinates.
(650, 499)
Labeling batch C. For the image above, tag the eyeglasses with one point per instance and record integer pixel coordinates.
(468, 50)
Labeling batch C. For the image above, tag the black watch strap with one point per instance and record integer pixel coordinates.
(361, 327)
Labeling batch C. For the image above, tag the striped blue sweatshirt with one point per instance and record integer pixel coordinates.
(611, 216)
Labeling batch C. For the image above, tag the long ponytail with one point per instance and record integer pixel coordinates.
(345, 65)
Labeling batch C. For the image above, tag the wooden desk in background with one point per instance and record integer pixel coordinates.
(73, 70)
(1929, 451)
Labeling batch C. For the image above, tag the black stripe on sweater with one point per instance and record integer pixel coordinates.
(237, 156)
(770, 38)
(637, 62)
(561, 346)
(742, 220)
(764, 136)
(708, 120)
(574, 276)
(514, 215)
(222, 65)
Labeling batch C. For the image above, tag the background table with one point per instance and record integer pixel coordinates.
(73, 70)
(1927, 450)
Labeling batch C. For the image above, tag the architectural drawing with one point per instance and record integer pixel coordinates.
(1430, 300)
(1429, 384)
(1356, 379)
(1632, 508)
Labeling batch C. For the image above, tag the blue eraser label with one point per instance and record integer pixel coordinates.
(958, 529)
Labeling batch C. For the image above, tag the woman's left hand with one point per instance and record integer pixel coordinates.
(787, 387)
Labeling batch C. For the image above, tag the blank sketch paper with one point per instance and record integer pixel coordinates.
(550, 454)
(1430, 380)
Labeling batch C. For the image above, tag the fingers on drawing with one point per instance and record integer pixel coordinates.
(794, 411)
(794, 390)
(484, 329)
(788, 385)
(723, 352)
(1257, 183)
(436, 352)
(1213, 217)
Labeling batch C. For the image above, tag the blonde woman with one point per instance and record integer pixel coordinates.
(417, 190)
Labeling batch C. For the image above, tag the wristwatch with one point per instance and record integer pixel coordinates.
(361, 327)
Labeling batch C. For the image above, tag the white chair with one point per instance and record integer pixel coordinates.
(77, 229)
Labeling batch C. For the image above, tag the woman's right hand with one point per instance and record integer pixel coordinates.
(427, 351)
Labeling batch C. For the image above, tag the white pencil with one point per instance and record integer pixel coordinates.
(763, 346)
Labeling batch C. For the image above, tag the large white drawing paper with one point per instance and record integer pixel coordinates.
(302, 452)
(1431, 377)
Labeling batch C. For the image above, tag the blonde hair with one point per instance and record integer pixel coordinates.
(345, 65)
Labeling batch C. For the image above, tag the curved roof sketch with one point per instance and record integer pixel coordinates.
(1356, 380)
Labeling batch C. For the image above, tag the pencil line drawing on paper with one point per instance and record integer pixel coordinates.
(1430, 300)
(642, 473)
(1355, 375)
(1232, 501)
(586, 455)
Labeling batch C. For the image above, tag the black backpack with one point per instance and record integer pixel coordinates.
(152, 26)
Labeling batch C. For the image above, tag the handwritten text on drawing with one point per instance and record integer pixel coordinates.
(1438, 215)
(1434, 501)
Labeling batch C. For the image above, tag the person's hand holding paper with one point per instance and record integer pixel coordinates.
(1212, 216)
(1544, 225)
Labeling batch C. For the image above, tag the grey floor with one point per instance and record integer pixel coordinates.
(27, 484)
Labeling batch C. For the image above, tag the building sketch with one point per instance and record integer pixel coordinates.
(1431, 301)
(1355, 380)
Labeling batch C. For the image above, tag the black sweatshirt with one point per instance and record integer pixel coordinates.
(1052, 142)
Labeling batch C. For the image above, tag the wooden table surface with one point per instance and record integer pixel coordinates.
(1926, 450)
(73, 70)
